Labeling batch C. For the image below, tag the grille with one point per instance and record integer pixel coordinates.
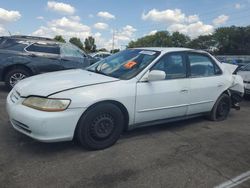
(21, 126)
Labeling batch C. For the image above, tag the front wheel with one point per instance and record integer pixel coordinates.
(100, 127)
(14, 76)
(221, 108)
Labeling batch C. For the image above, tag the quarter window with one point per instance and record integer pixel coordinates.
(174, 65)
(43, 48)
(70, 51)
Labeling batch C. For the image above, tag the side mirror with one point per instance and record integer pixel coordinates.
(156, 75)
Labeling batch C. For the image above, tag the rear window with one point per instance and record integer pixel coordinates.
(44, 48)
(12, 44)
(246, 68)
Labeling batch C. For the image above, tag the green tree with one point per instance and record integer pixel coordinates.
(224, 41)
(90, 44)
(59, 38)
(77, 42)
(161, 39)
(179, 40)
(204, 42)
(233, 40)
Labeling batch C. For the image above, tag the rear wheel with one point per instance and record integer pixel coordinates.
(14, 76)
(100, 127)
(221, 108)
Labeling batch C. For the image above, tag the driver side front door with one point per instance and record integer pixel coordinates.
(164, 99)
(72, 58)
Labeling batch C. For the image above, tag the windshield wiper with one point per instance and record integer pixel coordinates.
(100, 71)
(97, 71)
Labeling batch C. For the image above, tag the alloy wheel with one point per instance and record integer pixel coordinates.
(15, 78)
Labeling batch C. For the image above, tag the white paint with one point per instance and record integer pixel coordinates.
(235, 181)
(161, 99)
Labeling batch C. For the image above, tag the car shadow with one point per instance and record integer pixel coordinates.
(247, 97)
(3, 88)
(44, 149)
(173, 126)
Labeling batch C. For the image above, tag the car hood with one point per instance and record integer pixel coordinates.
(245, 75)
(49, 83)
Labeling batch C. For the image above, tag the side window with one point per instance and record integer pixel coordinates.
(174, 65)
(43, 48)
(12, 44)
(202, 66)
(70, 51)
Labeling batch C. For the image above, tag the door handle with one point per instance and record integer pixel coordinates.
(64, 59)
(32, 55)
(184, 91)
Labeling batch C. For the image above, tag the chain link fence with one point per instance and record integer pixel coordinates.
(234, 59)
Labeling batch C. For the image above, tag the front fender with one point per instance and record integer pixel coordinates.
(123, 92)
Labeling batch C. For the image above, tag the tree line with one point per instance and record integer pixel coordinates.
(88, 46)
(224, 41)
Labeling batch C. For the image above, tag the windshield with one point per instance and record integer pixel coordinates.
(69, 49)
(125, 64)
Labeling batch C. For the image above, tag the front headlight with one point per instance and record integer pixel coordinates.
(46, 104)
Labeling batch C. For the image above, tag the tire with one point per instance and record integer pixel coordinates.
(221, 108)
(100, 127)
(14, 76)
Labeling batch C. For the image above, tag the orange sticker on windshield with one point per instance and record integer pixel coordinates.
(130, 64)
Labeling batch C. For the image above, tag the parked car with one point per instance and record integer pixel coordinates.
(100, 55)
(130, 89)
(23, 56)
(244, 72)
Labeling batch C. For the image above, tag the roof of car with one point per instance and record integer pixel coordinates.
(26, 37)
(31, 38)
(168, 49)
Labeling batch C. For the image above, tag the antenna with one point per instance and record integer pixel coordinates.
(9, 32)
(113, 40)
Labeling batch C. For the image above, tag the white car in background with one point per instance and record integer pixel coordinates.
(130, 89)
(100, 55)
(244, 72)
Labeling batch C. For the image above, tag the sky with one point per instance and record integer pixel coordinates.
(121, 21)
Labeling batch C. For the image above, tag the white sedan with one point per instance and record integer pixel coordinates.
(244, 72)
(133, 88)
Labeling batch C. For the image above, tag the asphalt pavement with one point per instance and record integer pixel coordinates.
(192, 153)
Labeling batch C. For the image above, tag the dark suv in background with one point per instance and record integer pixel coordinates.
(24, 56)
